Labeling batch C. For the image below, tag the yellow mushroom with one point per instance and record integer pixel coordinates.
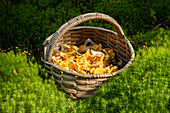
(83, 48)
(100, 46)
(56, 59)
(96, 47)
(71, 48)
(110, 52)
(99, 71)
(63, 55)
(65, 45)
(92, 70)
(77, 68)
(74, 47)
(71, 65)
(82, 72)
(92, 61)
(63, 65)
(114, 68)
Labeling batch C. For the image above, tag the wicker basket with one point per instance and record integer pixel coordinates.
(77, 85)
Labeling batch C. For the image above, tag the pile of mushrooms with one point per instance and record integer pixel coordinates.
(87, 59)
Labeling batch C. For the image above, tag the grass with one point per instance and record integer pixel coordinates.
(143, 87)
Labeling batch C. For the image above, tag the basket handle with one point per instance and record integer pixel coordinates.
(75, 21)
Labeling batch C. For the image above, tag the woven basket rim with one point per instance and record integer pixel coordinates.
(98, 28)
(97, 75)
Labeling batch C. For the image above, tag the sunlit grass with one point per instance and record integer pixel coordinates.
(143, 87)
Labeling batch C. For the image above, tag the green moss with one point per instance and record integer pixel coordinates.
(22, 88)
(28, 23)
(143, 87)
(155, 38)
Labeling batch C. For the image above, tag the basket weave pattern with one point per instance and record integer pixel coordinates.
(77, 85)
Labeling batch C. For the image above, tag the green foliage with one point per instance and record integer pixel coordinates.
(143, 87)
(22, 88)
(156, 38)
(134, 15)
(28, 23)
